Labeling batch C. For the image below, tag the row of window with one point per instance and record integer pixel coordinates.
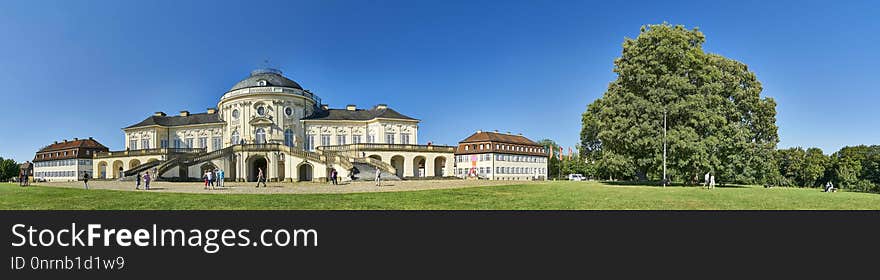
(502, 170)
(469, 158)
(519, 158)
(505, 147)
(64, 162)
(355, 139)
(260, 137)
(261, 110)
(59, 154)
(500, 157)
(216, 143)
(57, 174)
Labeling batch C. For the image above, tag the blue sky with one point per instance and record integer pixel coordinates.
(88, 68)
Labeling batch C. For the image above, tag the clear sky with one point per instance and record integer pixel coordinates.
(89, 68)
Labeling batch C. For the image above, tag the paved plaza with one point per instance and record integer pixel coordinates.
(292, 188)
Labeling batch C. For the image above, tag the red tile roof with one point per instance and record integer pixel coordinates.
(81, 143)
(483, 136)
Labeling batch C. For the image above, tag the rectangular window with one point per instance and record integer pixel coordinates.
(340, 139)
(389, 138)
(216, 142)
(189, 143)
(145, 143)
(371, 139)
(203, 142)
(310, 142)
(163, 144)
(177, 143)
(132, 144)
(404, 138)
(325, 139)
(355, 139)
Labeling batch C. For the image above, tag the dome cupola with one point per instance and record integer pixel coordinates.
(265, 77)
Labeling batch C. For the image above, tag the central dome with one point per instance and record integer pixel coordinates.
(265, 77)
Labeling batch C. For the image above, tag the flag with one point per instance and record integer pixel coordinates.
(569, 153)
(559, 156)
(551, 152)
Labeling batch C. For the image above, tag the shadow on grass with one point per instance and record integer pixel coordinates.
(658, 184)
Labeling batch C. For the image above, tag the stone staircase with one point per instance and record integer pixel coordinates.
(139, 169)
(368, 173)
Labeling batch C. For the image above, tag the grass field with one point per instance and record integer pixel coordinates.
(549, 196)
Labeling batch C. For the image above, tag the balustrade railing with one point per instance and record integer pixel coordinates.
(387, 147)
(149, 152)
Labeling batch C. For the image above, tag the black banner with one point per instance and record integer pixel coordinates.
(424, 243)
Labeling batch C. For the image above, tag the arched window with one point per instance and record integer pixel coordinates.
(235, 138)
(260, 137)
(288, 137)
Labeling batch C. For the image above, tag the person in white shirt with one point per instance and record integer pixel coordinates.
(706, 180)
(378, 172)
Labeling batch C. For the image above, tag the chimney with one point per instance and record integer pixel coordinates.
(520, 134)
(325, 107)
(381, 107)
(479, 131)
(496, 131)
(159, 114)
(65, 140)
(90, 138)
(212, 110)
(56, 142)
(75, 139)
(351, 107)
(184, 113)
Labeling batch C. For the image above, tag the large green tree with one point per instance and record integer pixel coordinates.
(717, 121)
(8, 169)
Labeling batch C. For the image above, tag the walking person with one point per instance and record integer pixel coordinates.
(211, 178)
(137, 186)
(260, 178)
(147, 180)
(712, 182)
(86, 179)
(706, 180)
(220, 178)
(333, 176)
(21, 178)
(378, 177)
(205, 177)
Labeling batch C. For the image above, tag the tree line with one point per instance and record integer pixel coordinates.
(855, 168)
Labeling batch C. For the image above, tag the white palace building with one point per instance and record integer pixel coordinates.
(269, 122)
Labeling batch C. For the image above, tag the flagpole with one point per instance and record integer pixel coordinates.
(664, 147)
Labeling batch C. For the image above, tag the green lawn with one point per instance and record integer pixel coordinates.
(550, 195)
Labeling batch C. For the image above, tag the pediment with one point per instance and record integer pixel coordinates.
(261, 121)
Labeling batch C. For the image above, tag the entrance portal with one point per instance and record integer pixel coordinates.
(256, 165)
(305, 172)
